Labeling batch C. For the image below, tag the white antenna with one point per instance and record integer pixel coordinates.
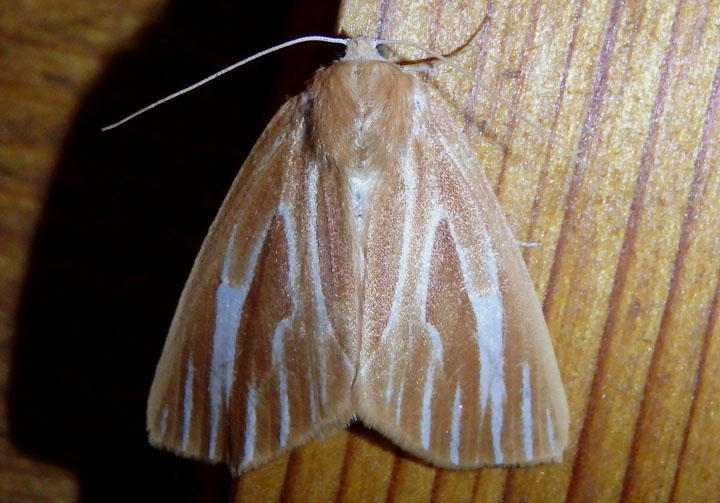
(313, 38)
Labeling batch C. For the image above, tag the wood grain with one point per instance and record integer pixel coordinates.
(97, 234)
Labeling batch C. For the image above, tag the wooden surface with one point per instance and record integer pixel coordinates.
(97, 233)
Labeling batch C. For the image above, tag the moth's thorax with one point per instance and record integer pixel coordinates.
(362, 111)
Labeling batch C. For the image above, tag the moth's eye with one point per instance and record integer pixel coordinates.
(383, 50)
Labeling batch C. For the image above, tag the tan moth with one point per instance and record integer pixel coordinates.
(360, 267)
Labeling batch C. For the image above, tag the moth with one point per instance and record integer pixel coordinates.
(360, 268)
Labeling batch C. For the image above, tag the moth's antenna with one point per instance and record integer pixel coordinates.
(312, 38)
(539, 128)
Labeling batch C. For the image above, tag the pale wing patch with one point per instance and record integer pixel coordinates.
(229, 307)
(487, 307)
(187, 402)
(320, 301)
(527, 411)
(455, 429)
(409, 194)
(250, 425)
(229, 302)
(550, 429)
(163, 421)
(436, 343)
(278, 340)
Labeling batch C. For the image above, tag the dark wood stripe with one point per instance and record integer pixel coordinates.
(597, 95)
(697, 383)
(436, 25)
(519, 88)
(390, 494)
(543, 178)
(382, 18)
(432, 39)
(589, 126)
(710, 133)
(624, 263)
(490, 117)
(476, 485)
(468, 115)
(437, 483)
(291, 470)
(675, 296)
(507, 485)
(342, 489)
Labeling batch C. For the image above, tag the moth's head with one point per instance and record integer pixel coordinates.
(364, 49)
